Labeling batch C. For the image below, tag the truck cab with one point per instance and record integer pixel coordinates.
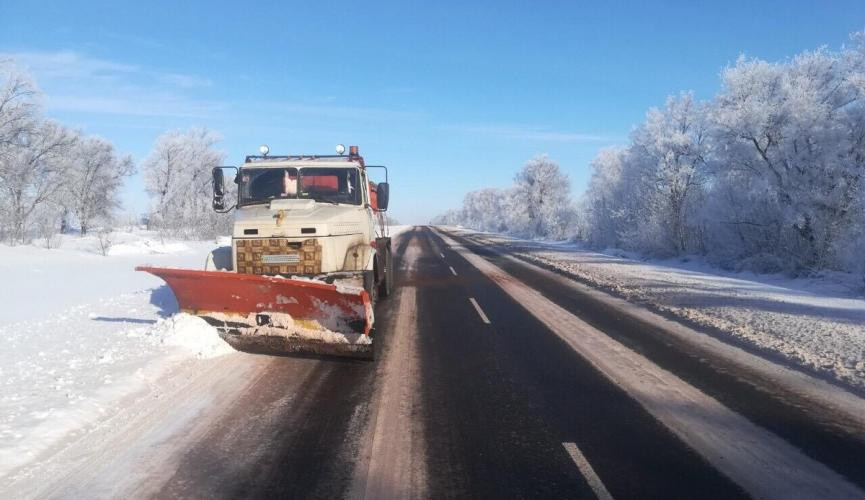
(309, 217)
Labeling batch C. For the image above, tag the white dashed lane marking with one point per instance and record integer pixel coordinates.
(479, 310)
(587, 472)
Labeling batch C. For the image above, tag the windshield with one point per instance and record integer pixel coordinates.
(329, 185)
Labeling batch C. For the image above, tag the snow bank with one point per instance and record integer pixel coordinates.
(190, 333)
(146, 248)
(82, 331)
(67, 371)
(41, 282)
(137, 242)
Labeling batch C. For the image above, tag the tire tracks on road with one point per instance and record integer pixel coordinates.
(393, 456)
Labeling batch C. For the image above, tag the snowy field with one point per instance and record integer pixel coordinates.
(815, 323)
(82, 332)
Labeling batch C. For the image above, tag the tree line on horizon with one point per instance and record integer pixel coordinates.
(766, 176)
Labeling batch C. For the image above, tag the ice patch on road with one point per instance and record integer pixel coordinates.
(191, 333)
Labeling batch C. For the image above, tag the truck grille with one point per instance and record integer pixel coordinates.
(273, 256)
(280, 259)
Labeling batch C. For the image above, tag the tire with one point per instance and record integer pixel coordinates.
(386, 286)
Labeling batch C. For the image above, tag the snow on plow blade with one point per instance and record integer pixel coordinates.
(275, 315)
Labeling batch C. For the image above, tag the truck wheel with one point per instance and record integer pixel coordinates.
(386, 287)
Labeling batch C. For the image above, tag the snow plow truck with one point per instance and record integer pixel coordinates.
(310, 254)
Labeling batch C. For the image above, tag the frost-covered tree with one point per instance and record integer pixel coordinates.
(647, 196)
(17, 118)
(768, 175)
(602, 205)
(32, 172)
(48, 171)
(537, 205)
(45, 223)
(452, 217)
(94, 176)
(177, 175)
(792, 167)
(671, 149)
(18, 107)
(483, 210)
(543, 191)
(514, 213)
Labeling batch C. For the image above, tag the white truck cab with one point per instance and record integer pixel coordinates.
(307, 216)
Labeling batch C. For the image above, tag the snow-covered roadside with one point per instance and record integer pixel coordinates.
(40, 282)
(819, 325)
(81, 331)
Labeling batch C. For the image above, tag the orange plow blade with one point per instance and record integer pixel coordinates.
(275, 315)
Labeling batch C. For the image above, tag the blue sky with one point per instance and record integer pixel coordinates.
(452, 96)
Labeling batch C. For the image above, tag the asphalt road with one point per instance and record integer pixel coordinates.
(474, 395)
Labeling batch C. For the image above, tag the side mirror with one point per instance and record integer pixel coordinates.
(218, 189)
(383, 194)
